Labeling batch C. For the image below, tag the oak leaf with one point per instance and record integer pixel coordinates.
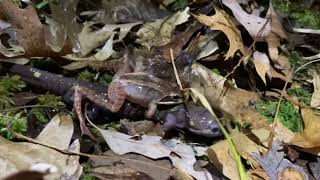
(222, 21)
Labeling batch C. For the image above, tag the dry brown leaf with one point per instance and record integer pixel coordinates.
(262, 65)
(157, 169)
(118, 171)
(222, 21)
(220, 156)
(256, 26)
(245, 145)
(310, 136)
(276, 25)
(315, 100)
(30, 32)
(273, 44)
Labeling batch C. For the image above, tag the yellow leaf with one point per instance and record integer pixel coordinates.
(220, 156)
(222, 21)
(310, 136)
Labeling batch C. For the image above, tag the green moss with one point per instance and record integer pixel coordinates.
(288, 115)
(216, 71)
(9, 85)
(303, 95)
(86, 75)
(48, 100)
(105, 79)
(87, 168)
(295, 59)
(17, 122)
(302, 16)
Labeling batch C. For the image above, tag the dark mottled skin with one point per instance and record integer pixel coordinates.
(192, 117)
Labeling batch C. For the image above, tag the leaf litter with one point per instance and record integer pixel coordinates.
(251, 36)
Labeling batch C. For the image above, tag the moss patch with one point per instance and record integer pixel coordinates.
(288, 115)
(303, 16)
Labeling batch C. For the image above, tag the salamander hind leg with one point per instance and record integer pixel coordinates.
(117, 95)
(78, 108)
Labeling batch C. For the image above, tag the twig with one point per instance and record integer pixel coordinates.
(306, 31)
(306, 64)
(28, 106)
(275, 119)
(175, 70)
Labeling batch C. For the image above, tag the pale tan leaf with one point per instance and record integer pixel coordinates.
(159, 32)
(245, 145)
(19, 156)
(222, 21)
(89, 39)
(21, 61)
(256, 26)
(154, 147)
(315, 100)
(310, 136)
(262, 65)
(58, 132)
(106, 51)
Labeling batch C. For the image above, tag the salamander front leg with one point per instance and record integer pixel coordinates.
(100, 99)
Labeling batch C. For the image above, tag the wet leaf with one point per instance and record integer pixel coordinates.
(221, 21)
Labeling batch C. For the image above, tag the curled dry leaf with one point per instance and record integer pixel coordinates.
(221, 21)
(256, 26)
(30, 32)
(310, 136)
(90, 39)
(159, 32)
(315, 100)
(262, 65)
